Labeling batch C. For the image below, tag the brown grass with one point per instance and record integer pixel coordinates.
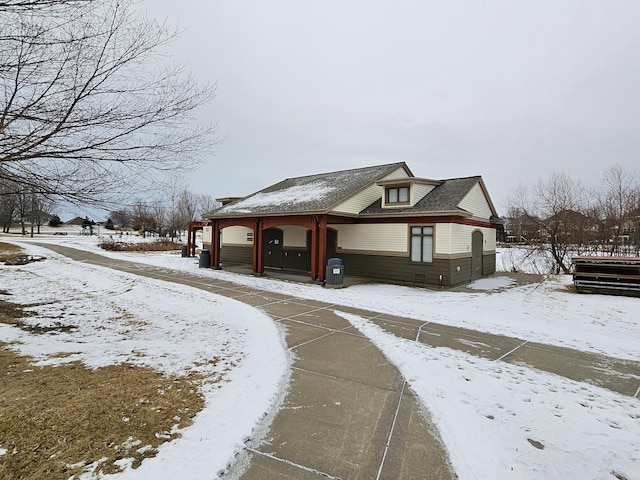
(155, 246)
(10, 251)
(55, 421)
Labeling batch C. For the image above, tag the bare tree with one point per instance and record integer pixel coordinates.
(187, 207)
(617, 206)
(8, 203)
(159, 212)
(142, 218)
(556, 209)
(41, 207)
(206, 203)
(86, 103)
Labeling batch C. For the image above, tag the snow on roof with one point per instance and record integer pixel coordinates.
(287, 196)
(313, 193)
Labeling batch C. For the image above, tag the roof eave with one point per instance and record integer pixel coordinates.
(439, 213)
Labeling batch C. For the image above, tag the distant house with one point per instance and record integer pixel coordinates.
(77, 221)
(382, 221)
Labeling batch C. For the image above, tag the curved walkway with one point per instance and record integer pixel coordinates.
(348, 413)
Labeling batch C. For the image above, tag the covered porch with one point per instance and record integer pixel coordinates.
(265, 241)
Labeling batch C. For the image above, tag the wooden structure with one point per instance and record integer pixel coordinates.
(192, 228)
(607, 275)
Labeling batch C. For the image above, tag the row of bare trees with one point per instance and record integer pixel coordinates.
(167, 216)
(19, 204)
(562, 218)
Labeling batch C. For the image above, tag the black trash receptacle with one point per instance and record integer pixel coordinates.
(184, 251)
(334, 277)
(205, 259)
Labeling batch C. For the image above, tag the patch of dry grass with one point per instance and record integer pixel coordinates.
(155, 246)
(9, 251)
(57, 421)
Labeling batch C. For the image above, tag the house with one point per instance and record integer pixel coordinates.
(381, 221)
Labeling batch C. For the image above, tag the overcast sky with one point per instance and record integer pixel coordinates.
(510, 90)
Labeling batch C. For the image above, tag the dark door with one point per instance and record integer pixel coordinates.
(332, 246)
(476, 255)
(273, 248)
(332, 243)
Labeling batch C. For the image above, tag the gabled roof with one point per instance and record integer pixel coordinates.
(309, 194)
(75, 221)
(444, 198)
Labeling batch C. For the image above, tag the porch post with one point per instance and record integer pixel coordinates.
(189, 239)
(314, 248)
(258, 247)
(191, 247)
(322, 248)
(215, 244)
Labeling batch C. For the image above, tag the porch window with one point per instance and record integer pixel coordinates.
(398, 195)
(421, 244)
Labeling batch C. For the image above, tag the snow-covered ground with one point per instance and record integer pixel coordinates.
(497, 420)
(118, 317)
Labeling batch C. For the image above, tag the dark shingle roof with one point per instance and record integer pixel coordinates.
(443, 198)
(313, 193)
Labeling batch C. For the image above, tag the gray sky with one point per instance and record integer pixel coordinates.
(510, 90)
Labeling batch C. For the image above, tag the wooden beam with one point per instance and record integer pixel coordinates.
(322, 247)
(258, 247)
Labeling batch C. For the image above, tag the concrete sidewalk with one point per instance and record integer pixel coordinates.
(348, 413)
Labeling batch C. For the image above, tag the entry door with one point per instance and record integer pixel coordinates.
(476, 255)
(332, 246)
(273, 248)
(332, 243)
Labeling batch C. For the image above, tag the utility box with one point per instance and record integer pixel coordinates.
(334, 277)
(205, 259)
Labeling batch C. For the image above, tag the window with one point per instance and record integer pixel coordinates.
(421, 244)
(398, 195)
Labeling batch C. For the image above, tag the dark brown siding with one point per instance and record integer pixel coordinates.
(489, 264)
(294, 258)
(401, 270)
(386, 269)
(235, 254)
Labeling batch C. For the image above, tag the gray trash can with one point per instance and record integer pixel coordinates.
(185, 253)
(205, 259)
(334, 277)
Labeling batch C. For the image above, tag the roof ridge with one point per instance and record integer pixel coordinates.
(371, 167)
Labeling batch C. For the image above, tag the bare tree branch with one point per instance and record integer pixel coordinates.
(87, 102)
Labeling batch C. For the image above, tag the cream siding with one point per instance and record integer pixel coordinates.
(461, 239)
(207, 234)
(236, 236)
(442, 238)
(359, 202)
(294, 236)
(418, 191)
(372, 237)
(476, 203)
(398, 173)
(363, 199)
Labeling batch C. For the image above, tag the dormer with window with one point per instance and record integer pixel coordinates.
(397, 195)
(405, 192)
